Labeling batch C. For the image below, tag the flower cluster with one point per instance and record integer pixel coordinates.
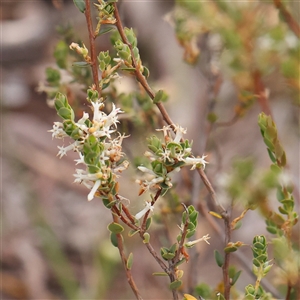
(166, 158)
(94, 141)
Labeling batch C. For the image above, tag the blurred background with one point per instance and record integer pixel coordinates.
(55, 244)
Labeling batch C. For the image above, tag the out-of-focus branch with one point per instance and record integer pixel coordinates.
(124, 261)
(292, 23)
(92, 37)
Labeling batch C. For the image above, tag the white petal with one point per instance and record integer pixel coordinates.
(93, 190)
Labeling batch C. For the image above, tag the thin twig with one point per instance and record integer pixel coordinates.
(181, 242)
(124, 261)
(212, 193)
(238, 254)
(225, 267)
(92, 38)
(147, 213)
(156, 257)
(260, 90)
(140, 77)
(292, 23)
(138, 74)
(129, 223)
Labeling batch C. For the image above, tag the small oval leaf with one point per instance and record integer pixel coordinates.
(175, 284)
(115, 228)
(129, 261)
(160, 274)
(132, 232)
(148, 223)
(80, 4)
(114, 239)
(219, 258)
(106, 30)
(235, 277)
(215, 214)
(80, 64)
(146, 238)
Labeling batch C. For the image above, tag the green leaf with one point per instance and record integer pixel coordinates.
(146, 72)
(60, 53)
(80, 4)
(80, 64)
(212, 117)
(160, 96)
(193, 217)
(203, 290)
(106, 29)
(271, 155)
(129, 261)
(132, 232)
(168, 256)
(256, 262)
(282, 210)
(160, 274)
(230, 249)
(238, 225)
(128, 69)
(107, 203)
(219, 258)
(65, 113)
(146, 238)
(271, 229)
(235, 277)
(115, 228)
(114, 239)
(175, 284)
(52, 76)
(148, 223)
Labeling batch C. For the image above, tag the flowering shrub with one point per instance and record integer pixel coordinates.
(98, 140)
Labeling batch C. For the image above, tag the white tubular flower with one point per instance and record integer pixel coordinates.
(112, 118)
(63, 150)
(80, 50)
(165, 130)
(144, 211)
(194, 161)
(57, 131)
(105, 131)
(94, 190)
(98, 114)
(150, 155)
(146, 170)
(166, 155)
(81, 122)
(80, 160)
(82, 176)
(205, 238)
(180, 131)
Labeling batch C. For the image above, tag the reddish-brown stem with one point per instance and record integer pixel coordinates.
(130, 223)
(138, 74)
(212, 193)
(288, 293)
(260, 90)
(140, 77)
(225, 267)
(156, 257)
(180, 246)
(292, 23)
(147, 213)
(92, 45)
(124, 261)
